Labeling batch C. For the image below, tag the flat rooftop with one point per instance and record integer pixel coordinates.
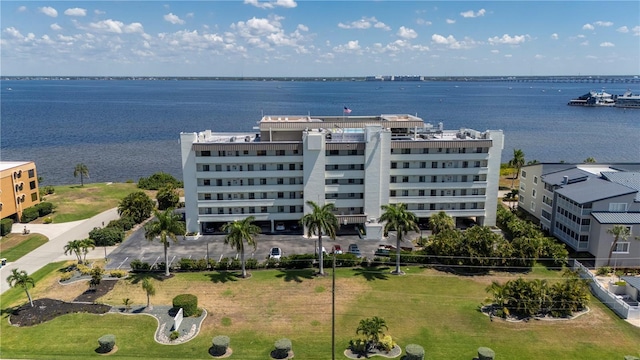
(6, 165)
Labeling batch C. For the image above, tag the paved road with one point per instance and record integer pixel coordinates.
(53, 250)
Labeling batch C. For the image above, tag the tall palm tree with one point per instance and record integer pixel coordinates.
(619, 232)
(237, 233)
(82, 170)
(517, 162)
(22, 279)
(148, 288)
(397, 217)
(166, 225)
(320, 220)
(73, 247)
(85, 245)
(441, 222)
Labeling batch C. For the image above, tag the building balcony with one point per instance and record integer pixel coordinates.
(344, 160)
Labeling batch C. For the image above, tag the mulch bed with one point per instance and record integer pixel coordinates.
(48, 309)
(94, 294)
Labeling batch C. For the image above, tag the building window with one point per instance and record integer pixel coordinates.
(405, 179)
(394, 165)
(262, 153)
(280, 195)
(280, 167)
(393, 179)
(292, 166)
(405, 165)
(420, 192)
(206, 182)
(263, 181)
(533, 206)
(292, 209)
(405, 192)
(621, 248)
(406, 151)
(618, 207)
(34, 196)
(252, 196)
(207, 196)
(32, 173)
(423, 164)
(292, 181)
(252, 210)
(250, 167)
(533, 193)
(205, 153)
(32, 185)
(422, 179)
(263, 209)
(535, 179)
(280, 209)
(280, 181)
(392, 193)
(263, 167)
(523, 174)
(434, 164)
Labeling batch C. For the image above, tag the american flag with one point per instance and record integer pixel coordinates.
(347, 110)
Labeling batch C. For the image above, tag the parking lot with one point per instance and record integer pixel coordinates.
(212, 246)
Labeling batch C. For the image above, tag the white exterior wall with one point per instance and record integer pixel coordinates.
(376, 171)
(314, 161)
(190, 181)
(493, 178)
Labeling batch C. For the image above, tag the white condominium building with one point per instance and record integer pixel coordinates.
(358, 163)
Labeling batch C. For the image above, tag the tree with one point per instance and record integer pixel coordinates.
(397, 217)
(137, 205)
(74, 247)
(619, 232)
(166, 225)
(167, 197)
(85, 245)
(96, 277)
(589, 160)
(441, 222)
(20, 278)
(148, 288)
(517, 162)
(320, 220)
(371, 329)
(237, 233)
(82, 170)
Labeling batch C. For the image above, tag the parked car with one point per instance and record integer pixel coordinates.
(324, 251)
(354, 249)
(337, 249)
(280, 227)
(382, 251)
(275, 253)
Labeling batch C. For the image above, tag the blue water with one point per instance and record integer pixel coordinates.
(128, 129)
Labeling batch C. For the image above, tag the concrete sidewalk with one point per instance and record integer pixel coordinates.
(53, 250)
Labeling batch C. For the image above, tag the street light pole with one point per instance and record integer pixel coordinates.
(333, 308)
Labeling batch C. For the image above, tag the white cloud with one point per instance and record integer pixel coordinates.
(365, 23)
(607, 44)
(174, 19)
(555, 36)
(585, 43)
(272, 4)
(22, 8)
(604, 23)
(623, 29)
(351, 46)
(406, 33)
(587, 27)
(118, 27)
(302, 27)
(76, 12)
(508, 55)
(636, 30)
(99, 12)
(49, 11)
(508, 39)
(423, 22)
(55, 27)
(450, 21)
(13, 32)
(539, 56)
(471, 14)
(452, 43)
(494, 51)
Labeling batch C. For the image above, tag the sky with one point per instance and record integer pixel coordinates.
(301, 38)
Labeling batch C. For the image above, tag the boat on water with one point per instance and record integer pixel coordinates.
(594, 99)
(628, 100)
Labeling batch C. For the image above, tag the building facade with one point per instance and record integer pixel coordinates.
(579, 203)
(358, 163)
(19, 188)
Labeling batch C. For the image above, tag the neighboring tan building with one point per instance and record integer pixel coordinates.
(578, 203)
(19, 186)
(358, 163)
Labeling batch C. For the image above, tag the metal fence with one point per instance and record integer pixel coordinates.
(619, 306)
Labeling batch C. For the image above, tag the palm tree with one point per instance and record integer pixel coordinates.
(73, 247)
(84, 245)
(517, 162)
(320, 220)
(165, 226)
(23, 280)
(396, 217)
(371, 329)
(82, 170)
(237, 233)
(148, 288)
(619, 232)
(441, 222)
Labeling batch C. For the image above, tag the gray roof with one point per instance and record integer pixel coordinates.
(623, 218)
(593, 189)
(629, 179)
(634, 281)
(556, 178)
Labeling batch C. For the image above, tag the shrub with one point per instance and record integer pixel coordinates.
(223, 264)
(48, 220)
(158, 180)
(212, 263)
(272, 263)
(117, 273)
(297, 261)
(44, 208)
(358, 346)
(107, 342)
(220, 345)
(174, 335)
(251, 263)
(167, 197)
(84, 269)
(235, 264)
(107, 236)
(125, 223)
(283, 346)
(200, 264)
(484, 353)
(414, 352)
(138, 265)
(186, 264)
(5, 226)
(188, 303)
(29, 214)
(386, 343)
(66, 276)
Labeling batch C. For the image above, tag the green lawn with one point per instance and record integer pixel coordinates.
(15, 246)
(75, 202)
(435, 310)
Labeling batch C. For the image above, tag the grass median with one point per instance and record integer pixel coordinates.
(15, 246)
(436, 310)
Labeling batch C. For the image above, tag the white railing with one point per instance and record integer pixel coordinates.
(619, 306)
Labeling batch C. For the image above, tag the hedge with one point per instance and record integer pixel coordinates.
(188, 303)
(5, 226)
(44, 208)
(29, 214)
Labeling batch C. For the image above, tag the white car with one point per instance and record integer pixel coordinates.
(324, 251)
(280, 227)
(275, 253)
